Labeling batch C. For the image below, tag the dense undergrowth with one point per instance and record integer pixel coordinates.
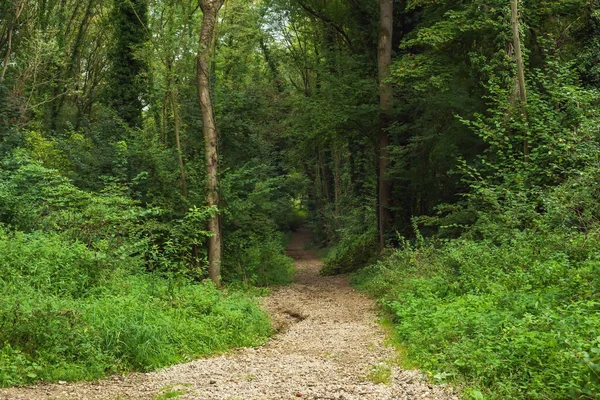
(504, 297)
(515, 319)
(63, 317)
(103, 185)
(93, 283)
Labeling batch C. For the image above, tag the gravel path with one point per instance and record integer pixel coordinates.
(328, 346)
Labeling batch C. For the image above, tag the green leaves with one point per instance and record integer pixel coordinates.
(510, 319)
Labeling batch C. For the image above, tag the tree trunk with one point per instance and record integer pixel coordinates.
(210, 10)
(272, 65)
(7, 56)
(18, 10)
(337, 180)
(324, 177)
(177, 121)
(519, 60)
(386, 98)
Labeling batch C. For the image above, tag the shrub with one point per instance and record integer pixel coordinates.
(94, 283)
(351, 253)
(33, 197)
(257, 261)
(511, 319)
(67, 313)
(258, 206)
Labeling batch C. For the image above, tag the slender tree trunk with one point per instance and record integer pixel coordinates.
(163, 121)
(18, 10)
(272, 65)
(519, 60)
(324, 178)
(337, 181)
(210, 10)
(7, 56)
(177, 121)
(386, 98)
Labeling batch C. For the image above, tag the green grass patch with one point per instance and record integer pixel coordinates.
(66, 313)
(172, 392)
(380, 374)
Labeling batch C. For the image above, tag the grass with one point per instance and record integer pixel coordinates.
(172, 392)
(169, 395)
(504, 320)
(67, 314)
(380, 374)
(392, 339)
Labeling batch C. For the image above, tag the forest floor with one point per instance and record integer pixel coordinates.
(328, 346)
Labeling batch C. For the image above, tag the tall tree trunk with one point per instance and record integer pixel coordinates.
(271, 64)
(210, 10)
(177, 121)
(18, 10)
(163, 120)
(7, 55)
(337, 180)
(386, 97)
(324, 177)
(127, 83)
(519, 60)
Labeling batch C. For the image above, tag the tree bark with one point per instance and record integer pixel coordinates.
(18, 10)
(7, 55)
(210, 10)
(386, 97)
(337, 180)
(177, 122)
(519, 60)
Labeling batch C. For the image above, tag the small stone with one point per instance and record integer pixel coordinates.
(213, 382)
(62, 382)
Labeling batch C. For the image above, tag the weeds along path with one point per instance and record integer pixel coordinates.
(328, 346)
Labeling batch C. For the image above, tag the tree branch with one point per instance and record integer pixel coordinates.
(327, 20)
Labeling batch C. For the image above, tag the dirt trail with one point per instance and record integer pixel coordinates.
(328, 344)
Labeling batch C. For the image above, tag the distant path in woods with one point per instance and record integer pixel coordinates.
(328, 343)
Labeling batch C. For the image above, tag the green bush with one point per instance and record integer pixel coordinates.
(68, 313)
(36, 198)
(351, 253)
(257, 261)
(103, 281)
(258, 207)
(94, 283)
(510, 306)
(515, 320)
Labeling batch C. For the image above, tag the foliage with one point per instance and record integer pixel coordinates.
(509, 305)
(128, 72)
(34, 198)
(509, 319)
(93, 283)
(351, 253)
(258, 206)
(70, 312)
(99, 125)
